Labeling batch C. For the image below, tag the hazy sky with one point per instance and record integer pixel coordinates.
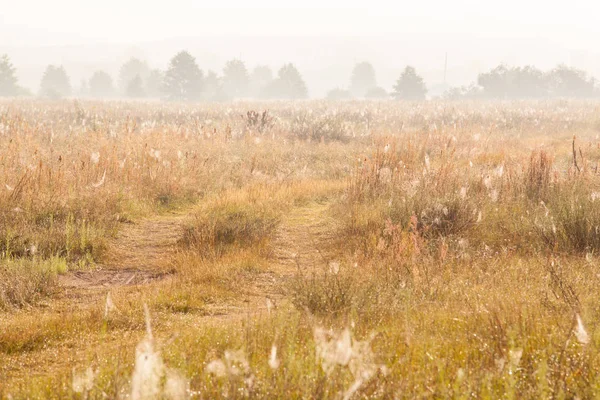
(73, 21)
(476, 34)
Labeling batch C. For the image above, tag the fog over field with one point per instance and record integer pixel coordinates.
(323, 39)
(332, 200)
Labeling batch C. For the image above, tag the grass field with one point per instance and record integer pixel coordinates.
(316, 250)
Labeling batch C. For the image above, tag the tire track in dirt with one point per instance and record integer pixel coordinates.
(302, 244)
(142, 252)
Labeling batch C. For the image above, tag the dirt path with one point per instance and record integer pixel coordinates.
(301, 242)
(141, 253)
(303, 239)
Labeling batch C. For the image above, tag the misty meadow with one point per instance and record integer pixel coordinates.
(332, 200)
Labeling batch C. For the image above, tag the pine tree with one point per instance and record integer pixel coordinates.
(130, 70)
(183, 79)
(55, 83)
(235, 79)
(154, 83)
(410, 86)
(8, 79)
(260, 78)
(362, 79)
(135, 88)
(101, 85)
(288, 85)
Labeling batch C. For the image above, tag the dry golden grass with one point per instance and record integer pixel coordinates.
(341, 250)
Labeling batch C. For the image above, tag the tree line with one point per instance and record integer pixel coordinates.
(510, 83)
(502, 82)
(184, 80)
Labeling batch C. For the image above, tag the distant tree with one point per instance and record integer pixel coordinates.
(101, 85)
(529, 82)
(235, 79)
(8, 78)
(129, 70)
(495, 83)
(183, 79)
(362, 79)
(470, 92)
(260, 78)
(135, 89)
(288, 85)
(338, 94)
(84, 89)
(409, 86)
(55, 82)
(154, 83)
(213, 88)
(377, 93)
(505, 82)
(570, 82)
